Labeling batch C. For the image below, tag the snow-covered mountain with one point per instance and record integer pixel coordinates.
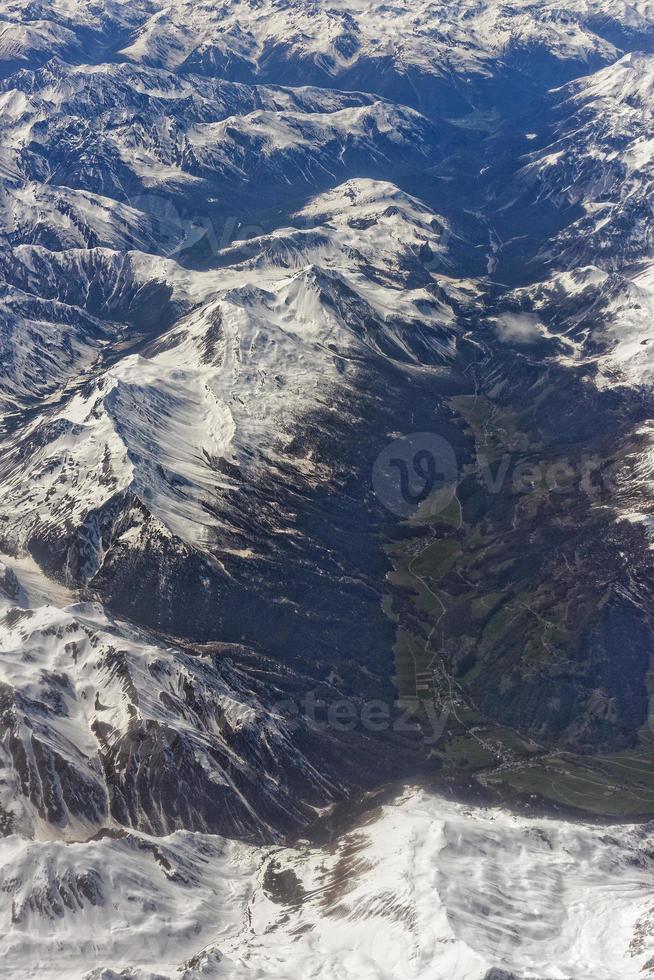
(412, 53)
(424, 54)
(123, 131)
(415, 888)
(194, 410)
(426, 887)
(105, 726)
(588, 318)
(336, 41)
(601, 162)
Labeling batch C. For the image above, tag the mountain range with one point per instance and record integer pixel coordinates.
(261, 260)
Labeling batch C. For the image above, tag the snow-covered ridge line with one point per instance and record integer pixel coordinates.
(431, 38)
(421, 887)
